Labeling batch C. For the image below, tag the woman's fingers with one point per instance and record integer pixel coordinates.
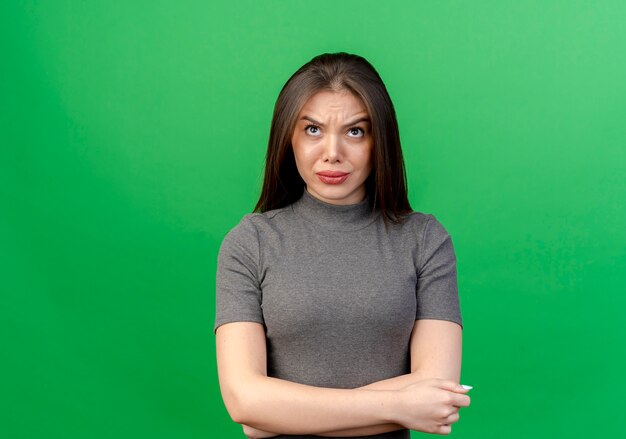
(443, 429)
(451, 386)
(433, 405)
(446, 423)
(453, 418)
(460, 400)
(458, 395)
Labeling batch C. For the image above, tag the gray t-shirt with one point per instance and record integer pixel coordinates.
(337, 292)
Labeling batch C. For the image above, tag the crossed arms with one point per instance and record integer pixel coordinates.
(427, 399)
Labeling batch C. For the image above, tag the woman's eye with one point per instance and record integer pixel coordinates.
(312, 130)
(356, 132)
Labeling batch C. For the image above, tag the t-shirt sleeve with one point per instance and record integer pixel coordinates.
(437, 288)
(238, 292)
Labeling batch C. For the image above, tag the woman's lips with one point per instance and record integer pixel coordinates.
(332, 177)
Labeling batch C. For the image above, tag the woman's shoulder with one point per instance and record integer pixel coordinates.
(256, 219)
(423, 224)
(249, 225)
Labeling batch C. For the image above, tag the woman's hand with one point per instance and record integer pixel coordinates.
(431, 405)
(255, 433)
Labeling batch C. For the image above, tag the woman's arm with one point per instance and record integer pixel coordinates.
(436, 350)
(271, 404)
(276, 405)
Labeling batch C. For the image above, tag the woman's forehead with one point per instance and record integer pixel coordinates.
(341, 102)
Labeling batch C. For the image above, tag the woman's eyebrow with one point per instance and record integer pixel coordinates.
(354, 122)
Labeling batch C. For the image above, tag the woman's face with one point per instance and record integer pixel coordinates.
(332, 144)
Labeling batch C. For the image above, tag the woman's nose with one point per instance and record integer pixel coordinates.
(332, 149)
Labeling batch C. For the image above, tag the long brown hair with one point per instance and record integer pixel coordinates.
(386, 185)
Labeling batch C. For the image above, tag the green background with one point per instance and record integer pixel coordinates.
(132, 139)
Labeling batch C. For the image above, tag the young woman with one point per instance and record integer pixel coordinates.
(337, 309)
